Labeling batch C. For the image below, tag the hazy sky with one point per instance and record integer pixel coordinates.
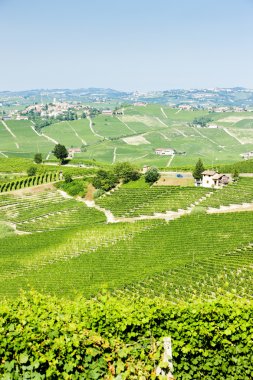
(126, 45)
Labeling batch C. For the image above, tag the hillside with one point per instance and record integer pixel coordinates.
(135, 134)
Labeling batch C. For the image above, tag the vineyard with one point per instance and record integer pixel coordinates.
(135, 202)
(125, 286)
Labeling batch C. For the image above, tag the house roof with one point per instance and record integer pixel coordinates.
(209, 172)
(218, 176)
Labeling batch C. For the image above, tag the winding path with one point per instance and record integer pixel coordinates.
(92, 130)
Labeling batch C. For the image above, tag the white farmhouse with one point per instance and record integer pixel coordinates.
(212, 179)
(164, 151)
(247, 155)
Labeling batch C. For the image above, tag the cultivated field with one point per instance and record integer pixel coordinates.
(55, 243)
(135, 135)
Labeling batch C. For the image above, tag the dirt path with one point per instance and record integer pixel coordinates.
(8, 129)
(92, 130)
(233, 135)
(114, 155)
(231, 208)
(130, 129)
(164, 114)
(170, 161)
(205, 137)
(77, 135)
(160, 121)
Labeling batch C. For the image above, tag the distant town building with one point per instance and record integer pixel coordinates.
(19, 117)
(107, 112)
(212, 179)
(185, 107)
(140, 104)
(164, 152)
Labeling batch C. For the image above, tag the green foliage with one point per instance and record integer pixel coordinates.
(98, 193)
(152, 175)
(245, 166)
(202, 121)
(31, 171)
(126, 172)
(38, 158)
(68, 178)
(73, 187)
(60, 152)
(235, 174)
(198, 170)
(44, 337)
(104, 180)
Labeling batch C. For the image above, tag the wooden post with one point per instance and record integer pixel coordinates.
(167, 358)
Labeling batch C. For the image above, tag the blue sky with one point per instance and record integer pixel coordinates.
(126, 45)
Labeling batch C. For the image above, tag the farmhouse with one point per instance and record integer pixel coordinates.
(107, 112)
(72, 151)
(212, 179)
(164, 152)
(212, 126)
(247, 155)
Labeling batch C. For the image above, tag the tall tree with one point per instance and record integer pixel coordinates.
(198, 170)
(60, 152)
(38, 158)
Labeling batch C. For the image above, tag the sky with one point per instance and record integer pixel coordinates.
(126, 45)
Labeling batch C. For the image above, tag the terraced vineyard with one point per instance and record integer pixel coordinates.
(135, 202)
(46, 211)
(236, 193)
(76, 252)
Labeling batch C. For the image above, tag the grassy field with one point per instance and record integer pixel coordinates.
(135, 135)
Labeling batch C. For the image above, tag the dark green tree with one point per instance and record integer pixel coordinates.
(126, 172)
(198, 170)
(38, 158)
(60, 152)
(152, 175)
(202, 121)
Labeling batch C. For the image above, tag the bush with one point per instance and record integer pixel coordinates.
(104, 180)
(31, 171)
(152, 175)
(73, 188)
(68, 178)
(126, 172)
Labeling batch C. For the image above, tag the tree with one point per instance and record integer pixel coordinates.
(104, 180)
(199, 168)
(31, 171)
(235, 174)
(60, 152)
(38, 158)
(126, 172)
(202, 121)
(152, 175)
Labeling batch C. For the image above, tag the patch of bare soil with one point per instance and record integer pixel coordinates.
(169, 181)
(33, 190)
(90, 191)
